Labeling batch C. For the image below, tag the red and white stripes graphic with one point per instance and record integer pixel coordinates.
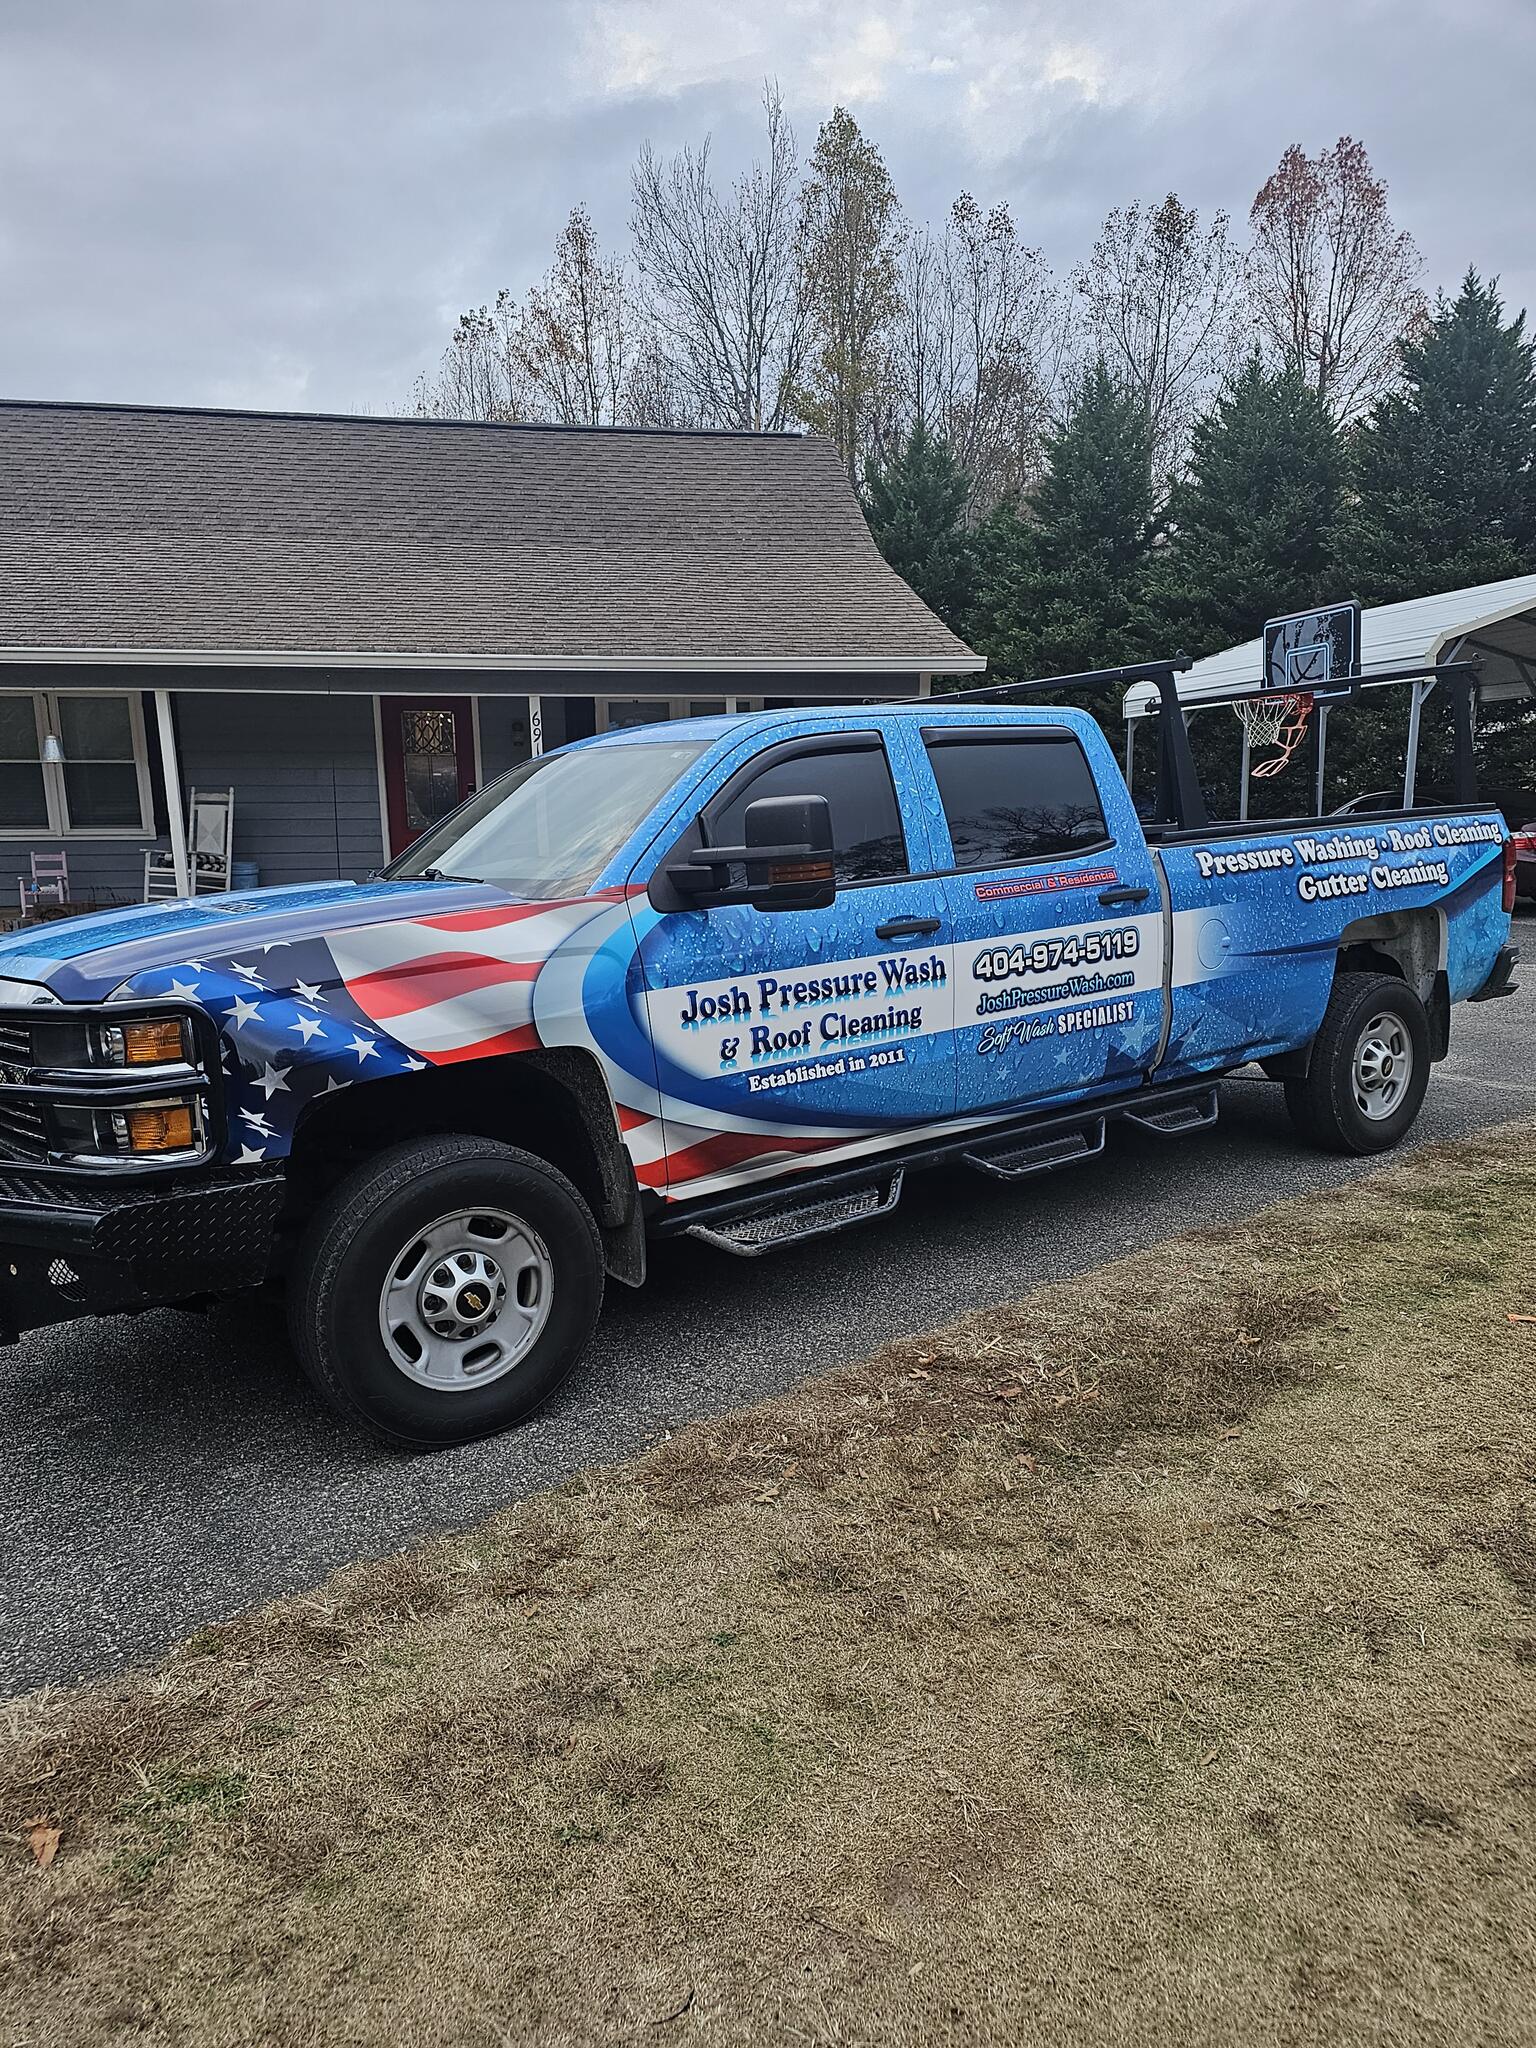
(460, 986)
(474, 983)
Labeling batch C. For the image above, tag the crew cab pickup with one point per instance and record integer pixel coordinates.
(733, 977)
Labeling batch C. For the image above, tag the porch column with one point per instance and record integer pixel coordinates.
(175, 817)
(535, 726)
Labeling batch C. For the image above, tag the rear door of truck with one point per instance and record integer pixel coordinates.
(1053, 907)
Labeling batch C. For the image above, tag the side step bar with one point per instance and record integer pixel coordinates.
(753, 1223)
(777, 1222)
(1011, 1160)
(1173, 1119)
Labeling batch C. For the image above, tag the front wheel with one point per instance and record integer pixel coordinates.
(1369, 1068)
(445, 1289)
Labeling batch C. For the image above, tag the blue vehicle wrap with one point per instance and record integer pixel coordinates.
(739, 1044)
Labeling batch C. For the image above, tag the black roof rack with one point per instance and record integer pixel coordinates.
(1180, 800)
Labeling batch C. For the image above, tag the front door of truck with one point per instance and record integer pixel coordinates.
(779, 1034)
(1054, 909)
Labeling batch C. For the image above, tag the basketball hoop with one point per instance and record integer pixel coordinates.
(1278, 720)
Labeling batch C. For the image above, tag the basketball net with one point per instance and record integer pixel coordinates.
(1279, 721)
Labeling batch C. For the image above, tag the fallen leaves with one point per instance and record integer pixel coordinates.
(44, 1840)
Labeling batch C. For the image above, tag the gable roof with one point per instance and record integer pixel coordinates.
(145, 533)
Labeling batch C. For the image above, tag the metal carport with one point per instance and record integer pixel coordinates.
(1494, 622)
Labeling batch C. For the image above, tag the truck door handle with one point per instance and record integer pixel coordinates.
(907, 927)
(1126, 893)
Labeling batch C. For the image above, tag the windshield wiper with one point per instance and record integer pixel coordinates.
(437, 875)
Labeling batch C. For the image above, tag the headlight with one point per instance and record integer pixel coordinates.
(148, 1042)
(169, 1124)
(77, 1044)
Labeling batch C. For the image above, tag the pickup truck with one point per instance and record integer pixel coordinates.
(732, 977)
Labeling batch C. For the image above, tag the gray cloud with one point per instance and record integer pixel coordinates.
(275, 203)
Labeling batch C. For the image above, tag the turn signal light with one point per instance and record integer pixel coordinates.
(800, 871)
(151, 1042)
(166, 1129)
(1511, 855)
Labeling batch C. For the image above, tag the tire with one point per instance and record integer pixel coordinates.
(444, 1290)
(1368, 1070)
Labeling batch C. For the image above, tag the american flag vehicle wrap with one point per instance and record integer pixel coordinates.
(301, 1019)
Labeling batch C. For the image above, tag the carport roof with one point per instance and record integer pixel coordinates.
(159, 535)
(1494, 620)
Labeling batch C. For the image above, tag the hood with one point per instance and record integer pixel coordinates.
(83, 959)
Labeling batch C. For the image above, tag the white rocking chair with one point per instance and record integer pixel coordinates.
(210, 842)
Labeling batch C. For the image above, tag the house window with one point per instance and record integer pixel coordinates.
(615, 713)
(98, 784)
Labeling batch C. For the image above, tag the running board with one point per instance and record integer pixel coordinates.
(1011, 1160)
(1195, 1113)
(776, 1222)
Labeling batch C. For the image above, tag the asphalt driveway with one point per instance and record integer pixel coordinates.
(166, 1470)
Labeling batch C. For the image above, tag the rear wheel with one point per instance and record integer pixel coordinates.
(445, 1289)
(1368, 1070)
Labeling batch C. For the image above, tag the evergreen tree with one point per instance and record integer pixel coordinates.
(915, 503)
(1061, 582)
(1445, 469)
(1251, 524)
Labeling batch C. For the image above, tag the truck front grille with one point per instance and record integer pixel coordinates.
(15, 1043)
(23, 1133)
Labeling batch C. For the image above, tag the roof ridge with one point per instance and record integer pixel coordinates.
(389, 419)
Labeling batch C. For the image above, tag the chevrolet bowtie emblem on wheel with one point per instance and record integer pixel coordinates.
(473, 1302)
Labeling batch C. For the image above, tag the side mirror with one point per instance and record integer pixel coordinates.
(787, 855)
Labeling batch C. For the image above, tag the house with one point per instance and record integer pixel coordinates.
(353, 622)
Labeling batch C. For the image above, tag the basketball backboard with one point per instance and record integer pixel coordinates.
(1313, 653)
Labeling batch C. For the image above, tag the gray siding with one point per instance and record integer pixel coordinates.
(503, 735)
(103, 871)
(305, 775)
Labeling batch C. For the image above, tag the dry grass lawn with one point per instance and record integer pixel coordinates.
(1154, 1660)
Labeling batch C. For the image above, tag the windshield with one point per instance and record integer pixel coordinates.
(550, 827)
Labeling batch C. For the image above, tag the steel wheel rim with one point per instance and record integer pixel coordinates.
(466, 1299)
(1382, 1067)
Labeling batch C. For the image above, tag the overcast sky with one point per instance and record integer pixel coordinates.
(286, 202)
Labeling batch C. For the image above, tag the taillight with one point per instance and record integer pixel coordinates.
(1511, 855)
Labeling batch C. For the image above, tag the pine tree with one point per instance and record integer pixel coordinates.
(1251, 524)
(915, 503)
(1445, 469)
(1061, 581)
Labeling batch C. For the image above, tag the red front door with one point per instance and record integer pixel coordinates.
(429, 762)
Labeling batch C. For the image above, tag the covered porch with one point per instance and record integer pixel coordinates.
(331, 775)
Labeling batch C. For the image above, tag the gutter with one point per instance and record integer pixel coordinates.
(545, 664)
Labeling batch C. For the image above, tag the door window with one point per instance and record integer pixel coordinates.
(429, 754)
(1011, 798)
(867, 838)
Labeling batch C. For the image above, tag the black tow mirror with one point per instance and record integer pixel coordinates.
(787, 855)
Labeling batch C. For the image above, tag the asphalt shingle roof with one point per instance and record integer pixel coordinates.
(148, 529)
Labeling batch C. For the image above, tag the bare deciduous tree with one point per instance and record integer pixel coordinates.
(1333, 281)
(1162, 296)
(568, 352)
(850, 234)
(574, 335)
(477, 377)
(979, 348)
(723, 279)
